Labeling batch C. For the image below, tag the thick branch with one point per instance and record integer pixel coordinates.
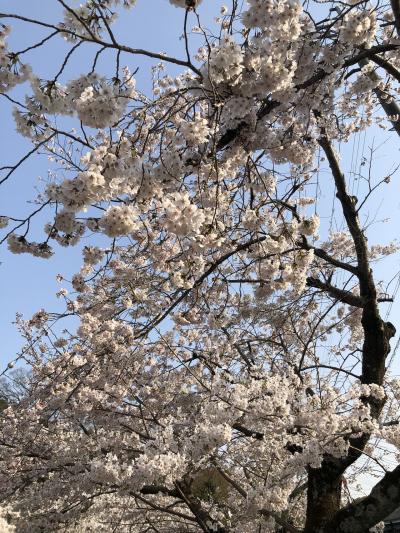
(396, 12)
(319, 252)
(365, 54)
(248, 432)
(361, 515)
(390, 69)
(159, 489)
(388, 104)
(341, 295)
(164, 509)
(206, 523)
(367, 287)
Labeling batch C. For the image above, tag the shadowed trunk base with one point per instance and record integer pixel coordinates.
(323, 497)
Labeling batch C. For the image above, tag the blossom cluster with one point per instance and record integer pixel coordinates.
(12, 71)
(358, 27)
(96, 102)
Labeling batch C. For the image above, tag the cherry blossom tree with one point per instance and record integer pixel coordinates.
(230, 369)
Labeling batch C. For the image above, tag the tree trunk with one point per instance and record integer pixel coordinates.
(323, 496)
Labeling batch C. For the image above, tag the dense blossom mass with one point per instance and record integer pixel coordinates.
(229, 368)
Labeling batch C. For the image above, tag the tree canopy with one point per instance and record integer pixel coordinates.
(230, 369)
